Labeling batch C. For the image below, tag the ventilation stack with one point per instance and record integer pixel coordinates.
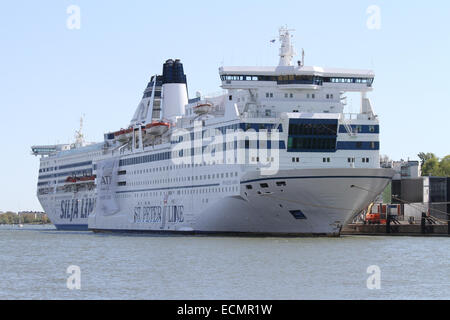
(174, 90)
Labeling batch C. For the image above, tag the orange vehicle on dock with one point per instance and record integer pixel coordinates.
(376, 213)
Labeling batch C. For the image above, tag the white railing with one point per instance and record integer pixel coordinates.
(260, 114)
(350, 116)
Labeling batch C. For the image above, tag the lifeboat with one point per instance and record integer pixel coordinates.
(87, 178)
(80, 179)
(202, 108)
(157, 128)
(123, 134)
(71, 180)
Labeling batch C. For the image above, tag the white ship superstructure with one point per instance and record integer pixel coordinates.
(275, 154)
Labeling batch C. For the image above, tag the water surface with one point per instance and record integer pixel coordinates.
(34, 260)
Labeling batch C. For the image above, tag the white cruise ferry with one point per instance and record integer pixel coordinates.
(275, 154)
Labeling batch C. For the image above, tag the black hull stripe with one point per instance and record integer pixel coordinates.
(217, 233)
(317, 177)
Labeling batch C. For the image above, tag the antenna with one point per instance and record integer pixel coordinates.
(286, 49)
(303, 57)
(79, 137)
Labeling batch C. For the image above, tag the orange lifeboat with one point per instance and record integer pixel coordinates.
(71, 180)
(157, 128)
(202, 108)
(80, 179)
(123, 134)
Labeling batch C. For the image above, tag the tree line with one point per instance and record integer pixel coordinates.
(28, 218)
(433, 166)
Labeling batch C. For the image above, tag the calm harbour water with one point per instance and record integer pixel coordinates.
(34, 259)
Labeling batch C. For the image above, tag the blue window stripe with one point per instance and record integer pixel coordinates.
(364, 129)
(358, 145)
(74, 165)
(312, 121)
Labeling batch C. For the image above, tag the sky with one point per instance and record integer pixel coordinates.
(51, 75)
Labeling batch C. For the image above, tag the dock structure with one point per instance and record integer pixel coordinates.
(424, 229)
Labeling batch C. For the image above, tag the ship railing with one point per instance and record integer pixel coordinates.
(212, 95)
(260, 114)
(350, 116)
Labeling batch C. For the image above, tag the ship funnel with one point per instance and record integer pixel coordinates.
(174, 90)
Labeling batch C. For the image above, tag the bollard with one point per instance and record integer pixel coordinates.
(388, 220)
(422, 223)
(448, 224)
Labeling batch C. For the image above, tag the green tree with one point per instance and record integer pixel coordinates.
(444, 166)
(426, 156)
(431, 166)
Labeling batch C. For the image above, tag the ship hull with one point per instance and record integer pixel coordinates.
(69, 212)
(301, 202)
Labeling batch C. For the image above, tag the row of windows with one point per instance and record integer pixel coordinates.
(145, 159)
(311, 144)
(358, 145)
(368, 81)
(308, 95)
(78, 173)
(224, 129)
(316, 129)
(297, 79)
(350, 160)
(197, 190)
(75, 165)
(72, 165)
(222, 175)
(361, 129)
(266, 185)
(148, 94)
(328, 145)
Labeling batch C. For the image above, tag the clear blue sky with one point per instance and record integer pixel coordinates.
(50, 75)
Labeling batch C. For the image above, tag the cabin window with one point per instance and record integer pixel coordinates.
(264, 185)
